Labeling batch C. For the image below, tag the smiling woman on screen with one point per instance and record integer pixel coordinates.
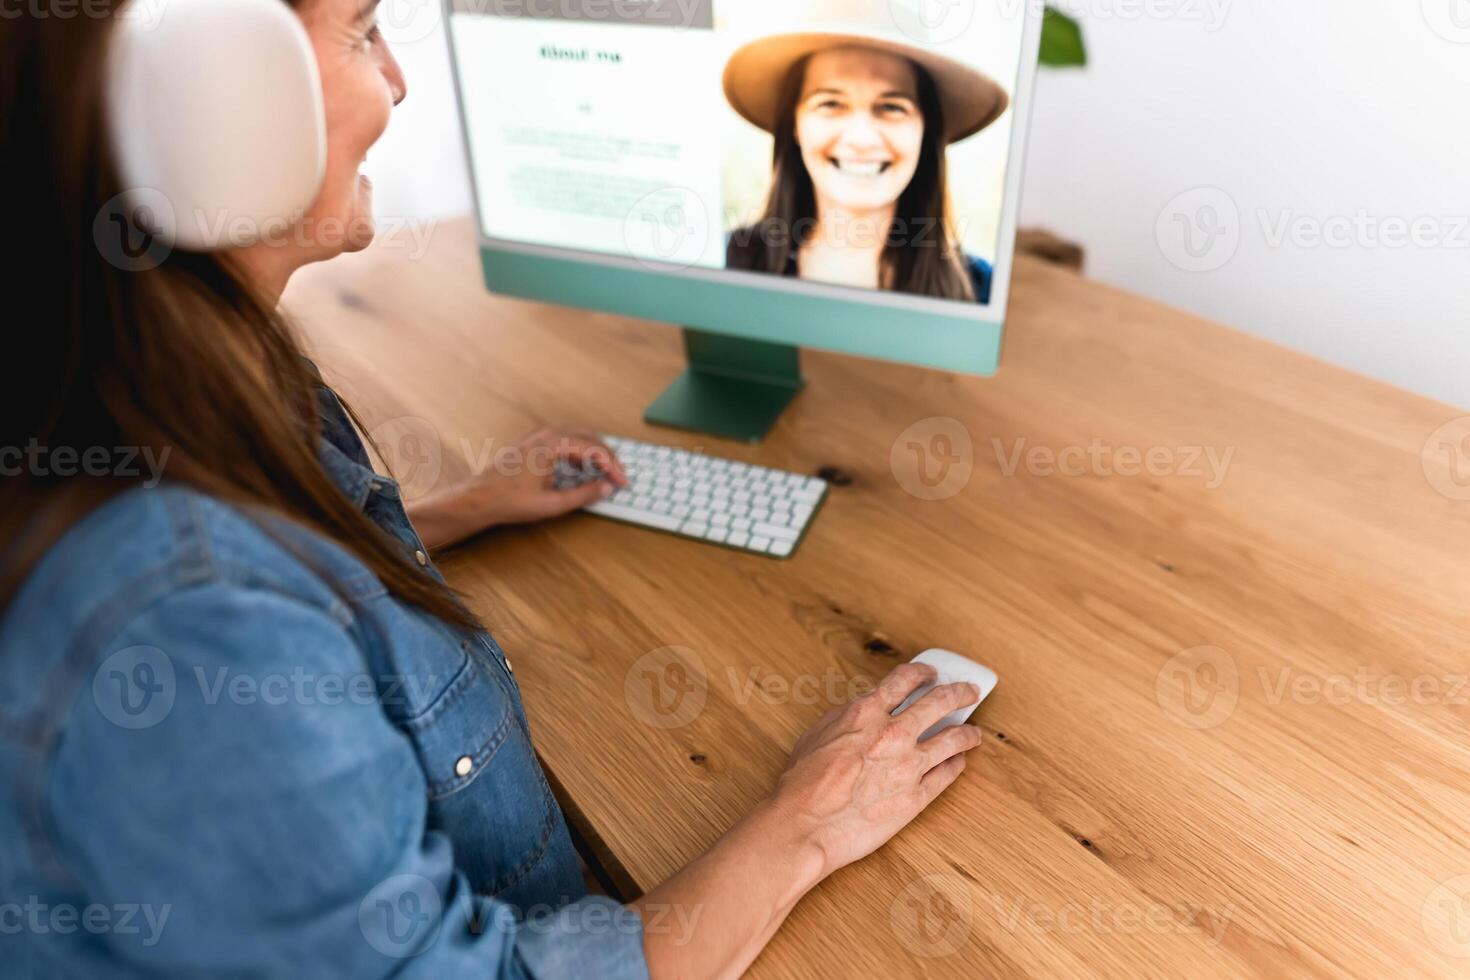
(859, 196)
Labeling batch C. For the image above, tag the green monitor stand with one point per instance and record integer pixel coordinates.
(733, 388)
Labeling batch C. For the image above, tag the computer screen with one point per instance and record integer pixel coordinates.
(859, 149)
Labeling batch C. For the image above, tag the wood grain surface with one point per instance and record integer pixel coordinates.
(1224, 587)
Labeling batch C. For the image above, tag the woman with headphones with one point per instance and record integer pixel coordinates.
(245, 726)
(861, 122)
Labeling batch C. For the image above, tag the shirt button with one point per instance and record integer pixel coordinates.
(420, 557)
(463, 765)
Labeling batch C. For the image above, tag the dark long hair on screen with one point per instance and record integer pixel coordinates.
(182, 358)
(922, 254)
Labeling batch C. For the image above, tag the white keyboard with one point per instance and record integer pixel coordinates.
(738, 505)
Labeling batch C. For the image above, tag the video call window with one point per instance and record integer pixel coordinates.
(861, 143)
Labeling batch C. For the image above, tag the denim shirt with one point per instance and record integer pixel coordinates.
(226, 749)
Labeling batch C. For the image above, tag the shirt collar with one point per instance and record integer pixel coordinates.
(354, 480)
(341, 451)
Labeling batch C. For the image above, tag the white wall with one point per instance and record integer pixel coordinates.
(1307, 114)
(1328, 142)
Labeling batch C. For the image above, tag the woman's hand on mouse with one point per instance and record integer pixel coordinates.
(860, 775)
(518, 487)
(855, 779)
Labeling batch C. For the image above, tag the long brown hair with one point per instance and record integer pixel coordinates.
(921, 254)
(182, 358)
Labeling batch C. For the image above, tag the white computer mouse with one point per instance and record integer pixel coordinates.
(952, 669)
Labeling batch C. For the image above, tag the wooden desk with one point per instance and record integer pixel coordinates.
(1207, 753)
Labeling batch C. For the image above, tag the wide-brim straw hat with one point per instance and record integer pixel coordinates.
(756, 73)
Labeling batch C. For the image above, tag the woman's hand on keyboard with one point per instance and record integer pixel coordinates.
(517, 484)
(521, 486)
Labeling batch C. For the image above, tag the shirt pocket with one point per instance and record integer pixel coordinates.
(486, 790)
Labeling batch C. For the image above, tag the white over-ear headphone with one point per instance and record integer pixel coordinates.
(215, 110)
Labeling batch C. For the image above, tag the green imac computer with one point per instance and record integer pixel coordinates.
(767, 174)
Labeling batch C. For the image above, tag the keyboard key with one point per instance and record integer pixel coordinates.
(782, 548)
(664, 522)
(774, 531)
(716, 534)
(738, 538)
(758, 543)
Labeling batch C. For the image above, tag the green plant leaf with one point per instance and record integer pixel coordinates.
(1061, 41)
